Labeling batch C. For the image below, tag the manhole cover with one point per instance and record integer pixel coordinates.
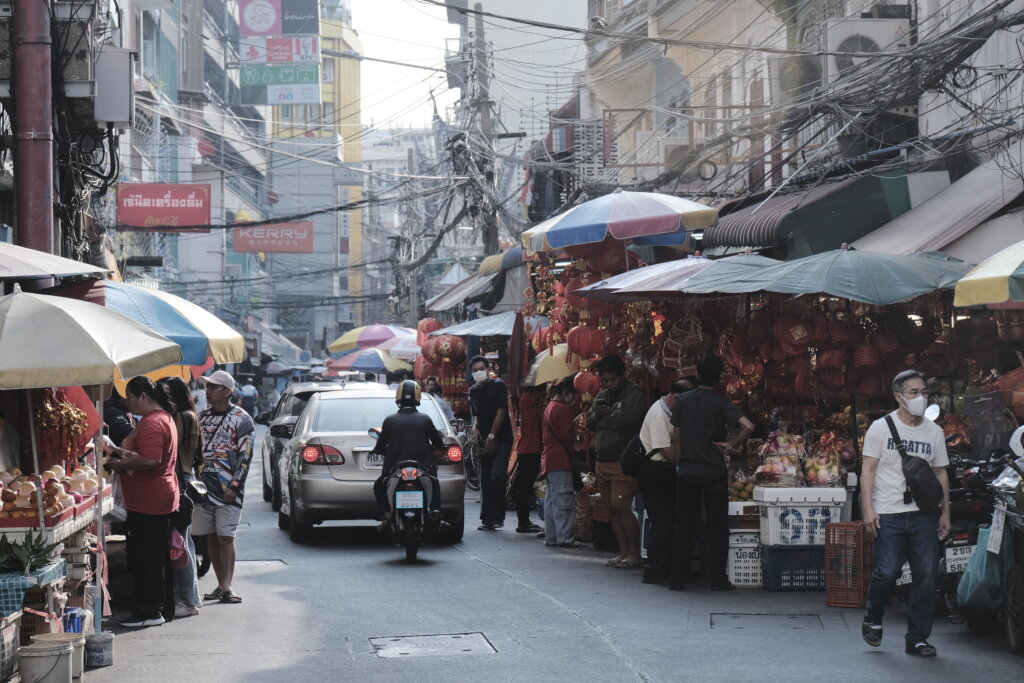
(767, 622)
(439, 645)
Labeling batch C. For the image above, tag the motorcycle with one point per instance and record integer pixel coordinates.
(1009, 489)
(410, 517)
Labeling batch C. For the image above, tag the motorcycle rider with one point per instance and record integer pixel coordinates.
(407, 435)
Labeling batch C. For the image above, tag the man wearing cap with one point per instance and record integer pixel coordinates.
(227, 450)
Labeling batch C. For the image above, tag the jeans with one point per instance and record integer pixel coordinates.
(694, 494)
(149, 560)
(559, 508)
(493, 472)
(528, 467)
(906, 537)
(658, 488)
(186, 583)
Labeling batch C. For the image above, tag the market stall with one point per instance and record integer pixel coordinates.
(95, 346)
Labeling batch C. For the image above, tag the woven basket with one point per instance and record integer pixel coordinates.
(832, 378)
(887, 343)
(820, 331)
(870, 384)
(845, 333)
(831, 360)
(866, 356)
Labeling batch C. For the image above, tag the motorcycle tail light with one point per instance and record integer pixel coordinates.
(452, 454)
(410, 473)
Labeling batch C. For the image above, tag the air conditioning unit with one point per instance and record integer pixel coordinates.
(232, 271)
(791, 78)
(860, 35)
(672, 150)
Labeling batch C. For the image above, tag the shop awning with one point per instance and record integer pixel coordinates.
(815, 220)
(988, 238)
(496, 263)
(452, 297)
(274, 344)
(499, 325)
(952, 213)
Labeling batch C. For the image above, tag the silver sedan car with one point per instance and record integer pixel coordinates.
(327, 469)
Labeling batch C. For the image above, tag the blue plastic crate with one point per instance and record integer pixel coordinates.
(793, 568)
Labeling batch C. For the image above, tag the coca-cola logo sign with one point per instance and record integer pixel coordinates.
(163, 205)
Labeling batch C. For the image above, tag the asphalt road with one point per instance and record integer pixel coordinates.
(332, 610)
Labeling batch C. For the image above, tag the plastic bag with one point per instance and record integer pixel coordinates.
(982, 584)
(119, 512)
(780, 461)
(823, 467)
(742, 486)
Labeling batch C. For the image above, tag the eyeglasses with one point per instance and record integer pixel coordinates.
(914, 393)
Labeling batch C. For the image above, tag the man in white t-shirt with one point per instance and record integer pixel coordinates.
(657, 480)
(902, 531)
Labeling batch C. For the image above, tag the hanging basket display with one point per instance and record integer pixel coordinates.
(866, 356)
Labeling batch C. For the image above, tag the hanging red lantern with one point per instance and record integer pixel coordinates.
(557, 331)
(429, 350)
(576, 283)
(424, 328)
(556, 310)
(423, 368)
(450, 349)
(541, 339)
(588, 384)
(585, 342)
(597, 309)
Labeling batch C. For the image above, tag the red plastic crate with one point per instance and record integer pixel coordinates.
(849, 560)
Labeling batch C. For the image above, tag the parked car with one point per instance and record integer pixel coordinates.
(327, 469)
(287, 411)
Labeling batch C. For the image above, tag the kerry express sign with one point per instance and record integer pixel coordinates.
(294, 238)
(163, 206)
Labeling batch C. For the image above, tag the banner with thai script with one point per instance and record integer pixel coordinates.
(163, 205)
(291, 238)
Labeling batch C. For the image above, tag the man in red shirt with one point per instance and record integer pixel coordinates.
(528, 448)
(556, 461)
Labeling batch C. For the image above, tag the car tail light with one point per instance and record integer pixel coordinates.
(452, 454)
(321, 454)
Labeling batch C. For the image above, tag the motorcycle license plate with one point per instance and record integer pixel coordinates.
(409, 500)
(957, 558)
(905, 576)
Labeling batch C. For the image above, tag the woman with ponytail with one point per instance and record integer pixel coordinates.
(190, 464)
(146, 465)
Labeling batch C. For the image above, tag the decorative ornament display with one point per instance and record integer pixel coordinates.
(60, 426)
(587, 383)
(586, 342)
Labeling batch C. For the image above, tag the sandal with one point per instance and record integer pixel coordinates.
(229, 598)
(213, 595)
(572, 544)
(614, 562)
(629, 564)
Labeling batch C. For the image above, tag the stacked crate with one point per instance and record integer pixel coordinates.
(848, 564)
(793, 531)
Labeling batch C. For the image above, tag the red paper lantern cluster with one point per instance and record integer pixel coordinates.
(424, 328)
(588, 384)
(585, 341)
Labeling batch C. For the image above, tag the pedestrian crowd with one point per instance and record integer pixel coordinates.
(181, 474)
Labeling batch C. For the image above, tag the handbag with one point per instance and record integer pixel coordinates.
(177, 551)
(922, 484)
(634, 456)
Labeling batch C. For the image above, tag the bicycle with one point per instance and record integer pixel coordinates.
(471, 463)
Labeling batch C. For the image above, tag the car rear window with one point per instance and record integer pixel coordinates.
(292, 405)
(354, 414)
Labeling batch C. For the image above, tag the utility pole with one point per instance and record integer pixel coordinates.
(33, 125)
(483, 106)
(414, 273)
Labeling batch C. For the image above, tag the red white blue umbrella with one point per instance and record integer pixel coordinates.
(639, 217)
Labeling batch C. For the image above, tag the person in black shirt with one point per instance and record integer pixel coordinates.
(699, 421)
(489, 401)
(407, 435)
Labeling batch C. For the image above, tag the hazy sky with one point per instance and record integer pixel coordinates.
(403, 31)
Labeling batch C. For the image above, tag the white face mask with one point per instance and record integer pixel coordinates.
(479, 375)
(915, 406)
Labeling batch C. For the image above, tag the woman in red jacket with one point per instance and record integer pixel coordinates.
(556, 462)
(146, 467)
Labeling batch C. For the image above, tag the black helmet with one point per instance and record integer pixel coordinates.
(408, 394)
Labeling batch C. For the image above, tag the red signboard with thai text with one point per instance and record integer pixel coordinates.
(293, 238)
(163, 205)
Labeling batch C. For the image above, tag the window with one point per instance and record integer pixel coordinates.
(328, 117)
(359, 414)
(150, 39)
(284, 113)
(710, 103)
(328, 75)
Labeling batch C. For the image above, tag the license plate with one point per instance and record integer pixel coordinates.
(905, 577)
(957, 558)
(373, 461)
(409, 500)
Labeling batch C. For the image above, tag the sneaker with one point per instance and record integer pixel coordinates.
(921, 648)
(183, 610)
(485, 527)
(141, 622)
(528, 529)
(872, 633)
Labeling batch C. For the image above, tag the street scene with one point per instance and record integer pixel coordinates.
(456, 340)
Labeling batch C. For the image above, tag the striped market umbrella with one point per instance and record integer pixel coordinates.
(368, 360)
(640, 217)
(368, 336)
(996, 281)
(402, 348)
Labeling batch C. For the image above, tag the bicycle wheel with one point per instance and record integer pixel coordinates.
(471, 463)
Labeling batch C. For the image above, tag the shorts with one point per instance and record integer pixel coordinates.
(220, 519)
(617, 490)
